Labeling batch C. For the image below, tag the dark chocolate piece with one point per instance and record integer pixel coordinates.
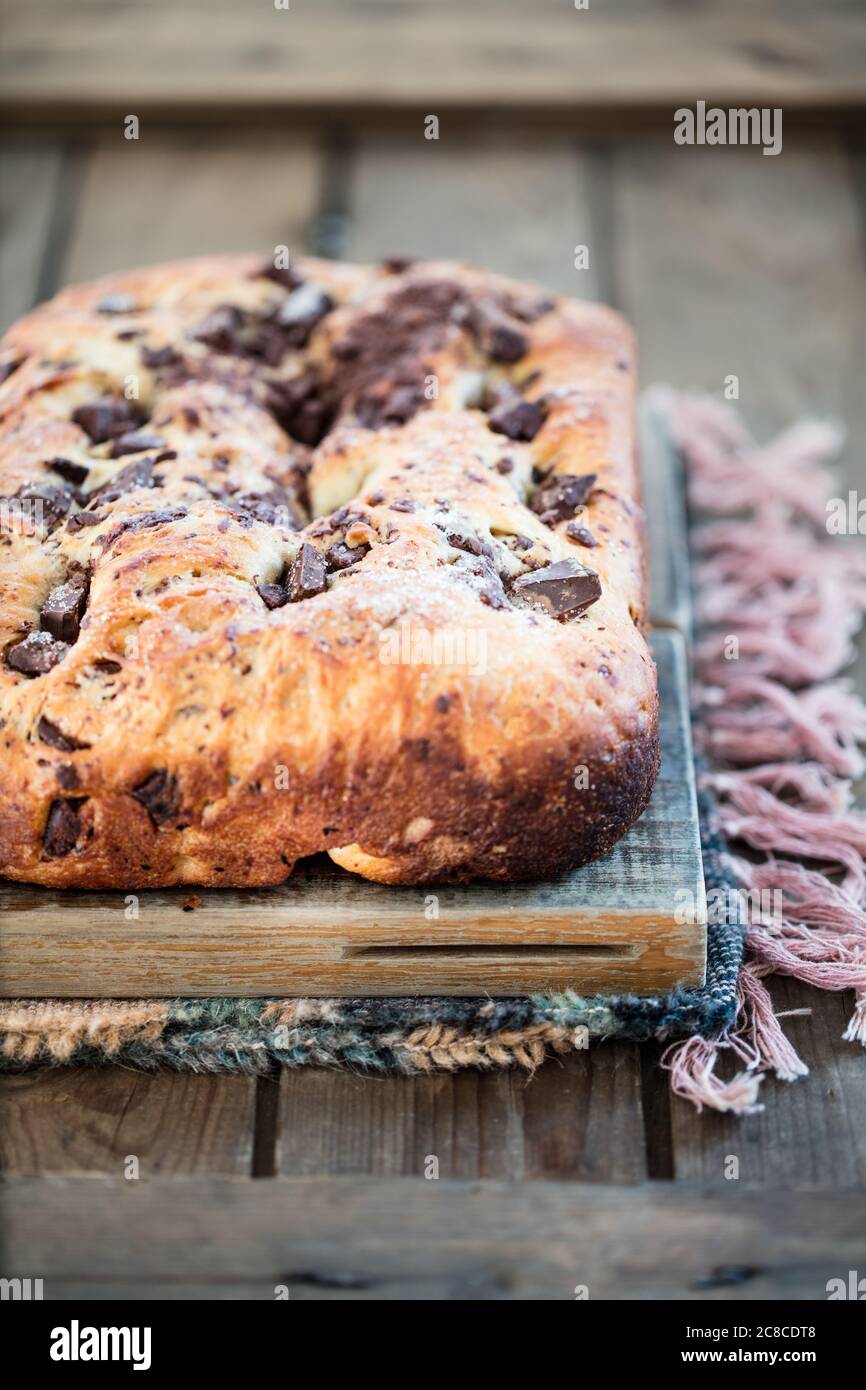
(51, 502)
(220, 328)
(75, 473)
(107, 418)
(62, 609)
(63, 826)
(563, 589)
(281, 275)
(560, 497)
(154, 358)
(159, 795)
(134, 475)
(48, 732)
(298, 407)
(83, 519)
(580, 534)
(136, 442)
(298, 315)
(516, 418)
(67, 776)
(8, 368)
(272, 595)
(38, 654)
(306, 574)
(498, 336)
(343, 557)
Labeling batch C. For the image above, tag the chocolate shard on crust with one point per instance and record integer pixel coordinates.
(298, 315)
(136, 442)
(154, 358)
(49, 732)
(107, 418)
(516, 418)
(38, 654)
(343, 557)
(75, 473)
(281, 275)
(272, 595)
(49, 502)
(299, 407)
(62, 609)
(63, 826)
(134, 475)
(159, 794)
(559, 498)
(497, 334)
(581, 535)
(306, 576)
(563, 589)
(220, 328)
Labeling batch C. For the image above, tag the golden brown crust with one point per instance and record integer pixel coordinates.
(416, 718)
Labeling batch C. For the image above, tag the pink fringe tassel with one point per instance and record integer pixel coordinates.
(780, 604)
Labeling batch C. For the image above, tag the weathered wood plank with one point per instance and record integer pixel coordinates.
(30, 173)
(218, 54)
(411, 1238)
(732, 264)
(77, 1120)
(495, 197)
(184, 193)
(578, 1117)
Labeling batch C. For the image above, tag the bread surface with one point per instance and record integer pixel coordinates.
(327, 558)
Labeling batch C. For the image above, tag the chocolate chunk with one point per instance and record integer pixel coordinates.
(389, 405)
(117, 304)
(50, 503)
(62, 609)
(395, 265)
(48, 732)
(82, 519)
(159, 795)
(298, 407)
(8, 368)
(75, 473)
(135, 443)
(563, 589)
(580, 534)
(67, 776)
(561, 496)
(306, 574)
(472, 545)
(272, 595)
(402, 504)
(220, 329)
(298, 315)
(281, 275)
(106, 667)
(496, 333)
(442, 704)
(63, 826)
(277, 507)
(134, 475)
(38, 654)
(154, 358)
(343, 557)
(504, 466)
(107, 418)
(517, 418)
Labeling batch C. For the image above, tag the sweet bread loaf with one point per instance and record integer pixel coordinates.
(320, 558)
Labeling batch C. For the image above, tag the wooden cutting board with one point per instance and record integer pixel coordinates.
(610, 926)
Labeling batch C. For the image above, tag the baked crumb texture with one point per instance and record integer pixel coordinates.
(335, 558)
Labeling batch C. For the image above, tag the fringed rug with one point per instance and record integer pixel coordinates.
(778, 599)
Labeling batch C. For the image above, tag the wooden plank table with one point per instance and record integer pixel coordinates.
(727, 262)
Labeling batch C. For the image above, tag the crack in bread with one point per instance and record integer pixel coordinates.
(334, 558)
